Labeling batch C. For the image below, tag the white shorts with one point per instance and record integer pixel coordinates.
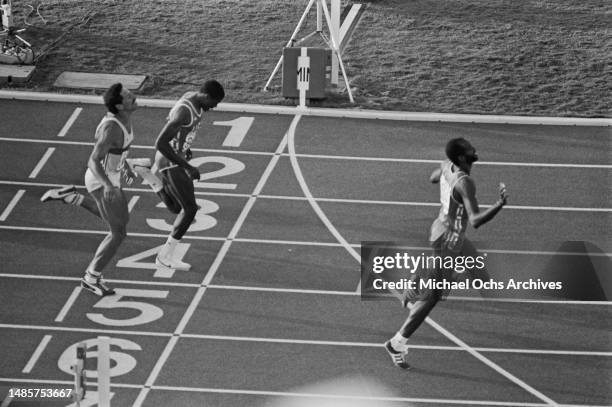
(92, 183)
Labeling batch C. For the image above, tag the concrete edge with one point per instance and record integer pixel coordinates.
(328, 112)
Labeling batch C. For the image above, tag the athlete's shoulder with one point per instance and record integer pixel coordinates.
(109, 127)
(465, 184)
(110, 132)
(180, 113)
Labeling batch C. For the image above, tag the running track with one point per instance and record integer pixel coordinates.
(269, 314)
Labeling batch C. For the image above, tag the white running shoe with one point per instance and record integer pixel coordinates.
(142, 168)
(170, 263)
(138, 162)
(58, 194)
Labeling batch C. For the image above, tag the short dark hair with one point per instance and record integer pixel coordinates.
(112, 97)
(456, 147)
(213, 89)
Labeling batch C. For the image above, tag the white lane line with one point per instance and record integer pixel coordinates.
(11, 205)
(70, 122)
(331, 157)
(430, 321)
(315, 206)
(554, 208)
(42, 162)
(304, 341)
(290, 242)
(49, 141)
(66, 308)
(437, 204)
(36, 355)
(528, 301)
(437, 162)
(490, 363)
(281, 290)
(7, 401)
(297, 290)
(132, 202)
(333, 200)
(86, 330)
(48, 381)
(211, 273)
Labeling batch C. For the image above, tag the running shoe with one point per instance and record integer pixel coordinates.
(171, 263)
(98, 288)
(134, 163)
(58, 194)
(398, 358)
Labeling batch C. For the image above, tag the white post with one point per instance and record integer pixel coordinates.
(335, 34)
(103, 371)
(319, 18)
(334, 46)
(7, 14)
(79, 370)
(289, 43)
(303, 75)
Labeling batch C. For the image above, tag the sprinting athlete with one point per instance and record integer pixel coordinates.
(172, 162)
(105, 166)
(447, 236)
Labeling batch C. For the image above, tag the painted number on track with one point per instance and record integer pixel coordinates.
(146, 312)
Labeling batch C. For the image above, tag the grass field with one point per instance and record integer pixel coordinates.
(531, 57)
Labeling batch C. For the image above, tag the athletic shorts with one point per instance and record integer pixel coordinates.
(169, 175)
(92, 182)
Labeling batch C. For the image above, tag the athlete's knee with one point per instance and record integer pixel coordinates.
(190, 211)
(119, 233)
(173, 208)
(168, 200)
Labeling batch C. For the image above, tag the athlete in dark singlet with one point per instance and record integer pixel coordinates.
(173, 146)
(447, 236)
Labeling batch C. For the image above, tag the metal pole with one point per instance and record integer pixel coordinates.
(289, 43)
(335, 48)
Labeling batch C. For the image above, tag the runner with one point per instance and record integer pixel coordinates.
(447, 236)
(103, 181)
(172, 162)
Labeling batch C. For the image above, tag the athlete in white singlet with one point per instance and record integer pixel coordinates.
(113, 162)
(451, 223)
(103, 182)
(458, 207)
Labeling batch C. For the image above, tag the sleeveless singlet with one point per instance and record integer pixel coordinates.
(451, 223)
(183, 140)
(114, 159)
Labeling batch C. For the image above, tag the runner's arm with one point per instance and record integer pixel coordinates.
(467, 190)
(434, 178)
(170, 130)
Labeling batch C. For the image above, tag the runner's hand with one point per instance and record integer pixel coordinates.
(188, 154)
(503, 193)
(111, 192)
(408, 296)
(193, 172)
